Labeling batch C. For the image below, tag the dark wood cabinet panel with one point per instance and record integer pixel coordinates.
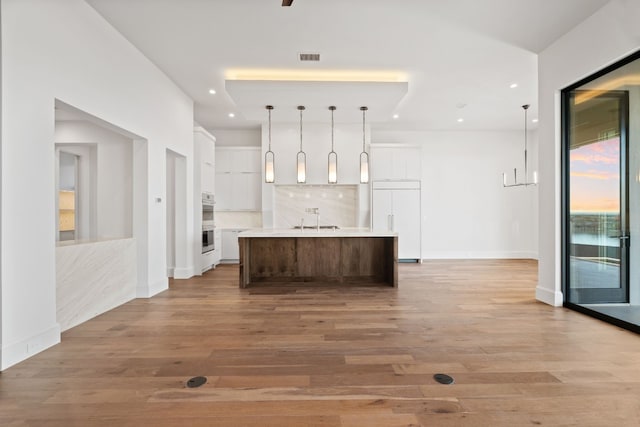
(318, 259)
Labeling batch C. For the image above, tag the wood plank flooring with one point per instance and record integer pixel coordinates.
(308, 355)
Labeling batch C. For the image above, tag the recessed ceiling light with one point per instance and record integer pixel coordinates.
(460, 120)
(513, 85)
(232, 115)
(212, 91)
(534, 120)
(395, 116)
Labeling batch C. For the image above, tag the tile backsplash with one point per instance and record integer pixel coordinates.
(337, 204)
(239, 219)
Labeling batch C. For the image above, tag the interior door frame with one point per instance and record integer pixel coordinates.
(596, 295)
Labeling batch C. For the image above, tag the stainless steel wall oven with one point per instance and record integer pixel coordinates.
(208, 222)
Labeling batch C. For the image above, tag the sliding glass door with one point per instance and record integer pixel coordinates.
(596, 211)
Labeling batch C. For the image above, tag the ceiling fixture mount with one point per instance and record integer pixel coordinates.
(269, 157)
(301, 163)
(333, 156)
(515, 172)
(364, 157)
(286, 2)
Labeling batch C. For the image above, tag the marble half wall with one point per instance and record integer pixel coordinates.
(92, 278)
(337, 204)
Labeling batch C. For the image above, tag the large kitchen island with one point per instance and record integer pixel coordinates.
(319, 256)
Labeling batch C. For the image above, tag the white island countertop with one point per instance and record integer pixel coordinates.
(313, 232)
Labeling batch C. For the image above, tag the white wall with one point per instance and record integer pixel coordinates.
(64, 50)
(466, 212)
(607, 36)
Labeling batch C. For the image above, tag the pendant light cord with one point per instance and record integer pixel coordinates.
(364, 109)
(269, 109)
(332, 129)
(300, 127)
(526, 175)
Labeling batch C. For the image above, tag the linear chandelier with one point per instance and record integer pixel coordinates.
(515, 171)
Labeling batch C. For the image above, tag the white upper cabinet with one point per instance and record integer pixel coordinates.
(238, 160)
(238, 179)
(395, 163)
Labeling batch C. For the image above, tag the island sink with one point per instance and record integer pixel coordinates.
(313, 227)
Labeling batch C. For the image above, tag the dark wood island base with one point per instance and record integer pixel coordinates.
(318, 258)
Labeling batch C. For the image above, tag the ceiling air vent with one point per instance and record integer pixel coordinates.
(309, 57)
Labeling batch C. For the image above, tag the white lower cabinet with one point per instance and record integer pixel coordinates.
(217, 253)
(396, 207)
(230, 248)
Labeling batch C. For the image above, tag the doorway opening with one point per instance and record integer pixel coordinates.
(601, 194)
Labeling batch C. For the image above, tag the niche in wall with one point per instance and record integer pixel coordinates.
(103, 173)
(67, 179)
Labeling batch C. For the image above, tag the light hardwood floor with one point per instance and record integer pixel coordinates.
(336, 356)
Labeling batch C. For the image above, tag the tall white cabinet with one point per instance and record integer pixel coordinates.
(204, 182)
(396, 207)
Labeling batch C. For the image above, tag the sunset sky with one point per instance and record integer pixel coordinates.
(595, 173)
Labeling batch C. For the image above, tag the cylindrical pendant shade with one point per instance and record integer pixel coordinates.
(364, 168)
(269, 167)
(302, 167)
(269, 157)
(364, 157)
(333, 167)
(301, 163)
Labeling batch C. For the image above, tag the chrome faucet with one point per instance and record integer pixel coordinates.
(316, 212)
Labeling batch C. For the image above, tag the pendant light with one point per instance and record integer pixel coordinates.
(269, 158)
(515, 172)
(364, 157)
(302, 157)
(333, 156)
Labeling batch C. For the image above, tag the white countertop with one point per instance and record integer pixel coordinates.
(340, 232)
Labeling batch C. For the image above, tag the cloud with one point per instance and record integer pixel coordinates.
(600, 175)
(588, 158)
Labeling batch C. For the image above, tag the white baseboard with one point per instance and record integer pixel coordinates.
(479, 255)
(23, 349)
(152, 289)
(548, 296)
(183, 273)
